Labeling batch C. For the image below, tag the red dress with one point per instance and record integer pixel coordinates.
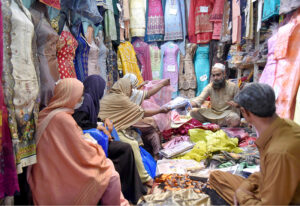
(200, 27)
(66, 47)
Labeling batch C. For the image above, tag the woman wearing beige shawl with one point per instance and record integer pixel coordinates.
(124, 113)
(70, 170)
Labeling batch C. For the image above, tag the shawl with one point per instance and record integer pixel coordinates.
(69, 170)
(118, 107)
(137, 96)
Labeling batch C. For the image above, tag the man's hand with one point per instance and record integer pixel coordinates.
(108, 124)
(232, 103)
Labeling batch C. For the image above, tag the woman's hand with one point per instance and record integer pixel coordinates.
(101, 128)
(108, 124)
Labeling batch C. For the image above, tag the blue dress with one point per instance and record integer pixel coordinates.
(173, 20)
(202, 68)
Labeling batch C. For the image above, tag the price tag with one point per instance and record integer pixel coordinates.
(203, 78)
(203, 9)
(173, 11)
(171, 68)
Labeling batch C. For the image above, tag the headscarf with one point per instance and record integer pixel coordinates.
(94, 86)
(137, 96)
(117, 106)
(83, 168)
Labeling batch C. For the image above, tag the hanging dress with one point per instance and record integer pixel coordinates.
(47, 40)
(93, 66)
(66, 47)
(271, 8)
(236, 22)
(142, 51)
(25, 75)
(187, 77)
(170, 65)
(137, 17)
(155, 61)
(202, 68)
(103, 52)
(127, 61)
(155, 24)
(111, 64)
(217, 18)
(173, 20)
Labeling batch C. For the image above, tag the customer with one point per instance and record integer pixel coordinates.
(278, 182)
(71, 168)
(221, 93)
(119, 152)
(124, 113)
(148, 127)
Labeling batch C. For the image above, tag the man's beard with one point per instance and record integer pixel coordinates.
(218, 84)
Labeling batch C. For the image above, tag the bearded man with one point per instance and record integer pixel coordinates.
(221, 93)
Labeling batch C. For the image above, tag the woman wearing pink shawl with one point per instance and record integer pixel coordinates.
(69, 169)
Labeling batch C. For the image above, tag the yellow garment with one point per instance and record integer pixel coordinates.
(127, 61)
(278, 182)
(118, 108)
(297, 108)
(208, 142)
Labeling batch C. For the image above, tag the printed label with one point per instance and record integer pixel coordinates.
(203, 9)
(203, 78)
(173, 11)
(171, 68)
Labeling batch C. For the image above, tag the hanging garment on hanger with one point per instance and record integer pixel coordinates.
(142, 51)
(202, 68)
(236, 22)
(137, 17)
(288, 59)
(200, 28)
(127, 61)
(271, 8)
(111, 66)
(81, 56)
(93, 66)
(187, 77)
(226, 22)
(217, 18)
(103, 52)
(24, 100)
(109, 21)
(66, 47)
(8, 176)
(170, 65)
(155, 61)
(46, 41)
(155, 25)
(173, 21)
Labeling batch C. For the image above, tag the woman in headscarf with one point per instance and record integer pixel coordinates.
(71, 168)
(124, 113)
(119, 152)
(148, 127)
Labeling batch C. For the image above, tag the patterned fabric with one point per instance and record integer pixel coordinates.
(93, 66)
(169, 65)
(200, 28)
(81, 57)
(127, 61)
(217, 18)
(202, 68)
(53, 3)
(155, 61)
(21, 89)
(155, 18)
(109, 21)
(226, 28)
(66, 47)
(173, 20)
(8, 175)
(112, 66)
(187, 77)
(142, 51)
(137, 17)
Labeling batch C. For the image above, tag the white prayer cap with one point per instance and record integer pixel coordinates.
(219, 66)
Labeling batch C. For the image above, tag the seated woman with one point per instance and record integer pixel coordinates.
(148, 127)
(70, 170)
(119, 152)
(124, 113)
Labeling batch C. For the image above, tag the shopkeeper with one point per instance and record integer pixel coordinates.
(221, 93)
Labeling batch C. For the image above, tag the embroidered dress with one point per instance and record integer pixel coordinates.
(22, 100)
(127, 61)
(170, 64)
(187, 76)
(155, 61)
(66, 47)
(155, 24)
(200, 28)
(173, 20)
(217, 18)
(142, 51)
(112, 66)
(137, 17)
(202, 68)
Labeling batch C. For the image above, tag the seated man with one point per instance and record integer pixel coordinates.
(278, 142)
(221, 94)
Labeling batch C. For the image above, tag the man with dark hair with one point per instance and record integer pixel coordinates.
(221, 93)
(278, 142)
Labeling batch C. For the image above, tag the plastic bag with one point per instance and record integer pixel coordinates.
(149, 162)
(100, 137)
(178, 102)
